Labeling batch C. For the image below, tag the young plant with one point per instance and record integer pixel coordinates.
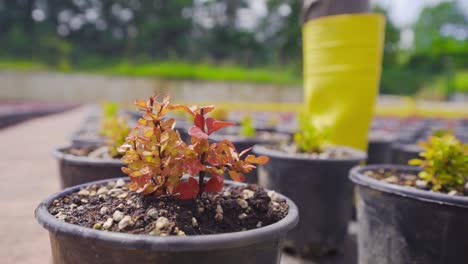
(444, 163)
(247, 127)
(157, 158)
(113, 127)
(309, 138)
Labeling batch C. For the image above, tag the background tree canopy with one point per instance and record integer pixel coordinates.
(89, 34)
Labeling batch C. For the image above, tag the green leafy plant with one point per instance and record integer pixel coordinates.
(247, 127)
(444, 163)
(157, 158)
(309, 138)
(113, 127)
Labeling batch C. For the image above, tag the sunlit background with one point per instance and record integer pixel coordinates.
(257, 41)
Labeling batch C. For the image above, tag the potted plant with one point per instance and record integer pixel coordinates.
(88, 162)
(246, 136)
(164, 217)
(413, 214)
(379, 149)
(314, 175)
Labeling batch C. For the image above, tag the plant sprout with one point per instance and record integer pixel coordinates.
(247, 127)
(444, 163)
(158, 159)
(309, 138)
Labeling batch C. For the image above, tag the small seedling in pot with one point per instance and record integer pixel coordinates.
(310, 138)
(247, 127)
(444, 163)
(114, 127)
(157, 158)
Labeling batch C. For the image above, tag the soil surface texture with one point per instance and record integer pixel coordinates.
(114, 207)
(410, 179)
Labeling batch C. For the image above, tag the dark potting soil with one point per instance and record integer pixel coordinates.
(406, 178)
(326, 153)
(114, 207)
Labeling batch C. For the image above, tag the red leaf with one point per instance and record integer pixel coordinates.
(188, 189)
(214, 125)
(197, 132)
(215, 184)
(199, 122)
(257, 160)
(237, 176)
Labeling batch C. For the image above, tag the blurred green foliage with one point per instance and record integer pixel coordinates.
(216, 40)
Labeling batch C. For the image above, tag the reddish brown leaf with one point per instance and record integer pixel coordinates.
(187, 189)
(199, 122)
(257, 160)
(244, 152)
(197, 133)
(237, 176)
(215, 184)
(214, 125)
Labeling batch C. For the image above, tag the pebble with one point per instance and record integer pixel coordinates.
(111, 184)
(218, 217)
(120, 183)
(80, 208)
(453, 193)
(162, 223)
(117, 216)
(153, 213)
(421, 184)
(123, 195)
(181, 233)
(102, 190)
(259, 224)
(242, 216)
(194, 222)
(93, 193)
(275, 204)
(126, 222)
(242, 203)
(108, 223)
(200, 209)
(391, 179)
(97, 225)
(104, 210)
(466, 188)
(247, 194)
(61, 216)
(121, 206)
(227, 194)
(273, 195)
(84, 200)
(73, 206)
(219, 209)
(83, 192)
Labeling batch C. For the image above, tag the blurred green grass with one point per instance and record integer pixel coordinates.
(168, 70)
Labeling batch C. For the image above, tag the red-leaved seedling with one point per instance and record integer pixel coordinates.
(157, 158)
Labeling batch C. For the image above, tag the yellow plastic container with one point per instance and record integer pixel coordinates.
(342, 67)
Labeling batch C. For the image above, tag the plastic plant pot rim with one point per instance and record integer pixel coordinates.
(169, 243)
(407, 147)
(357, 176)
(59, 153)
(357, 155)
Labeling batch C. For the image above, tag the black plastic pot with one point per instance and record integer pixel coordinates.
(402, 153)
(399, 224)
(323, 193)
(244, 143)
(72, 244)
(75, 170)
(379, 150)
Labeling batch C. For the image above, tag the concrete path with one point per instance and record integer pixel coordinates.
(28, 174)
